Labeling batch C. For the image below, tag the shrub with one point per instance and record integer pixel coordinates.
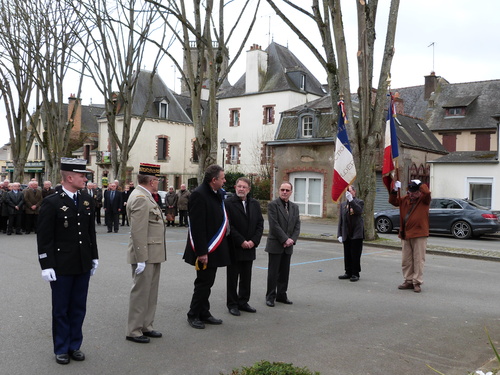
(275, 368)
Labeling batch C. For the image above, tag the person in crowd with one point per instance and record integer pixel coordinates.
(182, 205)
(15, 204)
(146, 252)
(171, 206)
(47, 189)
(113, 203)
(68, 256)
(246, 227)
(207, 246)
(98, 203)
(125, 194)
(414, 231)
(350, 233)
(284, 230)
(4, 211)
(32, 201)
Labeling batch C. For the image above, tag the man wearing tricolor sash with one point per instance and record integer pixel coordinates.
(207, 247)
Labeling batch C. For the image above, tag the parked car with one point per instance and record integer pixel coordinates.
(460, 217)
(162, 195)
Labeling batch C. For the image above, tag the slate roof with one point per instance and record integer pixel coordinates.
(90, 114)
(176, 110)
(482, 100)
(412, 133)
(468, 157)
(281, 64)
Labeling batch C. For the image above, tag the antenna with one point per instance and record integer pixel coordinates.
(269, 32)
(432, 44)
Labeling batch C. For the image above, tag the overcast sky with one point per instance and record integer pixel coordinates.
(466, 37)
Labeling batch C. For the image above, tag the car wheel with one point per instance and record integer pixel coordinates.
(461, 230)
(383, 224)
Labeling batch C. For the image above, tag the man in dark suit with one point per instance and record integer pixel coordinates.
(247, 224)
(351, 233)
(284, 230)
(67, 252)
(98, 203)
(206, 247)
(47, 189)
(113, 204)
(15, 203)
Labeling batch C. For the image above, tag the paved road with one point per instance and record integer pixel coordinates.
(335, 327)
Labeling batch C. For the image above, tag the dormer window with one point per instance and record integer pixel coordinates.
(163, 110)
(307, 127)
(303, 82)
(455, 111)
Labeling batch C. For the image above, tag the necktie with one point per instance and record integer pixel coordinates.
(286, 207)
(75, 199)
(112, 195)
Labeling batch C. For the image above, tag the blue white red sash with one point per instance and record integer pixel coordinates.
(218, 237)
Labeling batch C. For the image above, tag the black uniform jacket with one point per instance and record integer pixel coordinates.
(66, 234)
(244, 227)
(205, 219)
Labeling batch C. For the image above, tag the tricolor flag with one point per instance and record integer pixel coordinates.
(344, 170)
(391, 151)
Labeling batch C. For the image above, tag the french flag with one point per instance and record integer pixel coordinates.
(344, 170)
(391, 151)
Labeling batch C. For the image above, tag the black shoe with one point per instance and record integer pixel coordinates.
(354, 278)
(28, 232)
(212, 320)
(286, 301)
(270, 303)
(62, 359)
(196, 323)
(154, 334)
(77, 355)
(18, 233)
(109, 231)
(234, 311)
(344, 277)
(9, 233)
(116, 231)
(246, 307)
(140, 339)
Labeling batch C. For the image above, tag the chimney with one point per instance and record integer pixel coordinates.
(75, 118)
(256, 68)
(430, 85)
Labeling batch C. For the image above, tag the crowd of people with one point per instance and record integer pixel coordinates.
(222, 232)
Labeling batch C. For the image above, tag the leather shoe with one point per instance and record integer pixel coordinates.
(286, 301)
(77, 355)
(196, 323)
(345, 276)
(234, 311)
(354, 278)
(62, 359)
(417, 288)
(212, 320)
(406, 285)
(246, 307)
(270, 303)
(139, 339)
(154, 334)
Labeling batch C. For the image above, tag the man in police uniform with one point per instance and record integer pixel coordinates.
(67, 251)
(146, 252)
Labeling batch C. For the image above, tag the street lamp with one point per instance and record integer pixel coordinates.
(223, 146)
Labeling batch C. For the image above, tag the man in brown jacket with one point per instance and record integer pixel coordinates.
(32, 201)
(414, 230)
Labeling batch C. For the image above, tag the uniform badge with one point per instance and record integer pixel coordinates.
(86, 203)
(64, 208)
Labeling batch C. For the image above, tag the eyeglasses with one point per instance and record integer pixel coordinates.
(157, 179)
(285, 190)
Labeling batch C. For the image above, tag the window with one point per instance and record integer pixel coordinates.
(234, 154)
(455, 111)
(162, 148)
(234, 117)
(303, 82)
(194, 153)
(86, 153)
(483, 141)
(266, 154)
(163, 112)
(307, 126)
(481, 191)
(268, 115)
(450, 142)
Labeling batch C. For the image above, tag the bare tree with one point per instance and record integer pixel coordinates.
(365, 135)
(20, 38)
(205, 33)
(114, 47)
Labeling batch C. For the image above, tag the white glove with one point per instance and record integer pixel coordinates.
(397, 185)
(418, 182)
(340, 239)
(140, 267)
(49, 274)
(348, 195)
(95, 264)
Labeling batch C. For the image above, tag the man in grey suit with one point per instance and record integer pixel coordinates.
(351, 233)
(146, 252)
(284, 229)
